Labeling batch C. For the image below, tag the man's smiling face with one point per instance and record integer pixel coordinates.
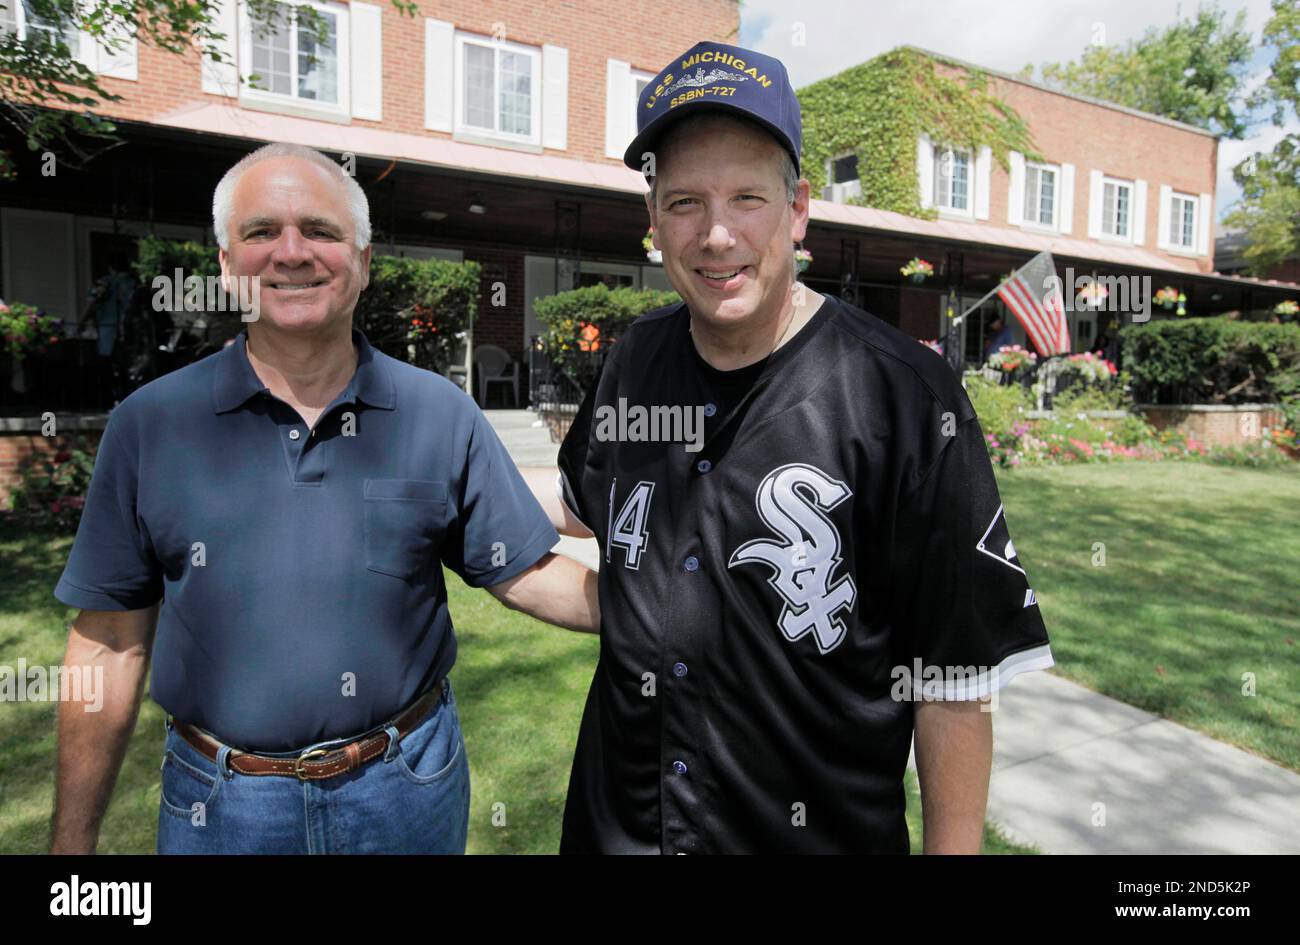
(724, 223)
(292, 228)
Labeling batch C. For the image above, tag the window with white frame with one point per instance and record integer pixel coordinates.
(639, 81)
(23, 21)
(288, 58)
(842, 178)
(500, 89)
(952, 178)
(1041, 194)
(1116, 208)
(1182, 221)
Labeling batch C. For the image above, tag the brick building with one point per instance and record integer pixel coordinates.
(1118, 193)
(491, 132)
(485, 131)
(495, 132)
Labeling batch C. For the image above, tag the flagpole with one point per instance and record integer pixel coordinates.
(992, 291)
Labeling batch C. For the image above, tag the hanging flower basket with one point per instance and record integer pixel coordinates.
(26, 330)
(1167, 297)
(652, 254)
(802, 259)
(917, 269)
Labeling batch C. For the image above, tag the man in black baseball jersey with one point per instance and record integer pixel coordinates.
(787, 594)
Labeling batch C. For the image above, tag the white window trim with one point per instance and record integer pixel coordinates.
(635, 76)
(343, 53)
(19, 10)
(1188, 249)
(1055, 225)
(946, 211)
(1102, 235)
(852, 188)
(534, 105)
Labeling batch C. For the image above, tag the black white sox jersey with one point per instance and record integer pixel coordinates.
(775, 595)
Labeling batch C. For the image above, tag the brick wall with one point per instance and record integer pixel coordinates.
(1217, 425)
(645, 34)
(1120, 144)
(918, 313)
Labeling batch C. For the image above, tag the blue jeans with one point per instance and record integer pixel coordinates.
(412, 799)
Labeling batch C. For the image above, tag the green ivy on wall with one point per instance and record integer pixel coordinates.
(878, 110)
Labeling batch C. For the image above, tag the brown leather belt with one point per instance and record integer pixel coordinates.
(319, 763)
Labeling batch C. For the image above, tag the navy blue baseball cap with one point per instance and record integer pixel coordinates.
(718, 77)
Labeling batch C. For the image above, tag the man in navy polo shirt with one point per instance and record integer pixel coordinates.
(280, 512)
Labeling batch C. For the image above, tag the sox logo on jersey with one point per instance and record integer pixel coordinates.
(793, 501)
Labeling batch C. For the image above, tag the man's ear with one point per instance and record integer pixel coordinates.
(654, 216)
(223, 258)
(365, 266)
(801, 207)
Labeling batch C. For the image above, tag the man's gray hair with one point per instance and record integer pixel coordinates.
(223, 198)
(788, 172)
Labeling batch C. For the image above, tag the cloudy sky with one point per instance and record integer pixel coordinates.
(998, 34)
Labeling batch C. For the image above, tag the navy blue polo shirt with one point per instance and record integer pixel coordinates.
(300, 569)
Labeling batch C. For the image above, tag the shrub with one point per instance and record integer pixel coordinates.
(582, 321)
(156, 256)
(51, 490)
(998, 406)
(423, 303)
(1212, 360)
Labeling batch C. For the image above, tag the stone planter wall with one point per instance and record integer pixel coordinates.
(1216, 424)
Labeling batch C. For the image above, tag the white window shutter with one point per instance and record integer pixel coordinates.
(439, 74)
(618, 91)
(555, 97)
(1162, 232)
(1094, 203)
(367, 61)
(1065, 200)
(1016, 192)
(1138, 225)
(983, 181)
(223, 78)
(1204, 223)
(925, 170)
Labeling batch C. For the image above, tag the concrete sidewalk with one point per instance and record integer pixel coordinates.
(1060, 750)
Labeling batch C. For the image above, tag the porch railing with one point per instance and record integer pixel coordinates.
(556, 391)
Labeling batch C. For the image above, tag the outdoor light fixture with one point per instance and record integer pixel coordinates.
(434, 215)
(478, 206)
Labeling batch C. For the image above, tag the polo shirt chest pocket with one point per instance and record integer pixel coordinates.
(405, 523)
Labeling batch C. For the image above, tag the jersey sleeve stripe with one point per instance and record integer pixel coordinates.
(565, 492)
(977, 686)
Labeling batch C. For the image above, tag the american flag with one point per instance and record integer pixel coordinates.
(1038, 308)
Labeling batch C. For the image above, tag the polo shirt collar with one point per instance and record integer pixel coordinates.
(236, 381)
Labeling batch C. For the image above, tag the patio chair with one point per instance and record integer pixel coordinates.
(495, 366)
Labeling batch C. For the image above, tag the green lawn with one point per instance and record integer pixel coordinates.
(1199, 588)
(520, 685)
